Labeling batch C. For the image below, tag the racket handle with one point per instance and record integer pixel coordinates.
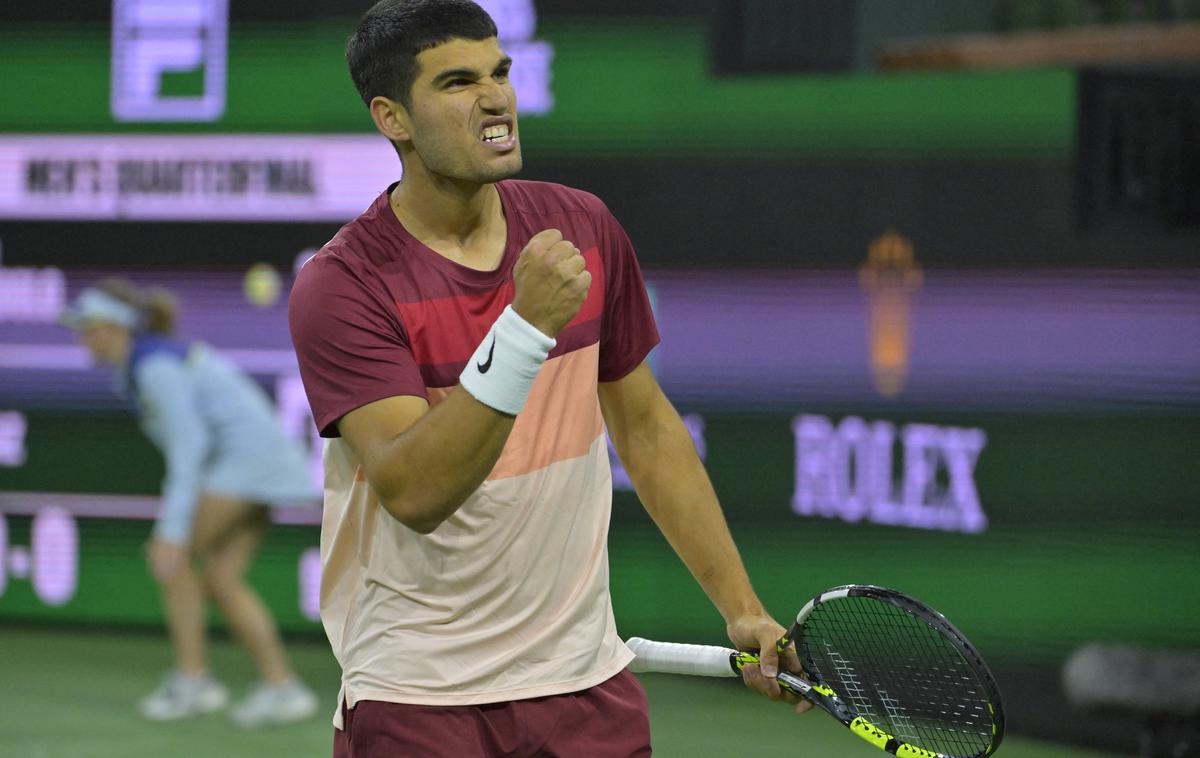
(677, 658)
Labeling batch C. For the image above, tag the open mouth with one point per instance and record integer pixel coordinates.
(496, 133)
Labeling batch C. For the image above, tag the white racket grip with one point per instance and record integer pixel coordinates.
(677, 658)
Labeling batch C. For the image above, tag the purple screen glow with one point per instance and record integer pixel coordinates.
(977, 340)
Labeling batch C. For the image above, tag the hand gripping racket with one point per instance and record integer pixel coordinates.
(890, 668)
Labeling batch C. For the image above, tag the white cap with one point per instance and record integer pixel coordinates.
(96, 306)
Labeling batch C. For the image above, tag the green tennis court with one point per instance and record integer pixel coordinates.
(68, 692)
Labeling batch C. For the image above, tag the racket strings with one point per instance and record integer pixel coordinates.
(899, 673)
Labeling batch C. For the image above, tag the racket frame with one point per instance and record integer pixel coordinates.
(824, 697)
(673, 658)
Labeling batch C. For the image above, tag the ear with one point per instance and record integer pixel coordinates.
(391, 119)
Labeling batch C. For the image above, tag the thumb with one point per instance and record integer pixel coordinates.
(768, 657)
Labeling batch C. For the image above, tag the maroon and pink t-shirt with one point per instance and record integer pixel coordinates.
(508, 598)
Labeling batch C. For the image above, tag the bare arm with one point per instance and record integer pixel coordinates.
(424, 462)
(671, 482)
(670, 479)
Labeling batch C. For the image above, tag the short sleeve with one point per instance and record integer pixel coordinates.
(628, 332)
(350, 344)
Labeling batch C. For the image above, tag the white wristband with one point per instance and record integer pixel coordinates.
(505, 364)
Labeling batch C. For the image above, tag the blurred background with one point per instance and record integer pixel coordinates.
(927, 276)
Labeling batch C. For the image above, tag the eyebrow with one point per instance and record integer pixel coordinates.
(468, 73)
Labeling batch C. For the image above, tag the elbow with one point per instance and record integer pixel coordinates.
(415, 501)
(421, 517)
(422, 525)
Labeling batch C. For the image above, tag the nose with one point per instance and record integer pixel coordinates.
(496, 97)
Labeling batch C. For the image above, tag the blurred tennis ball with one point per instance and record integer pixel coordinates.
(262, 285)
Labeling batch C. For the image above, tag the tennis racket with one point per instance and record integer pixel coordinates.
(890, 668)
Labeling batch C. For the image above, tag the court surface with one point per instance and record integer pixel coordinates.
(70, 693)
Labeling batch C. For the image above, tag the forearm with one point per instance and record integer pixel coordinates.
(172, 422)
(426, 472)
(177, 509)
(675, 489)
(184, 449)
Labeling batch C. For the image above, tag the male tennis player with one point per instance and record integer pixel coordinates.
(463, 343)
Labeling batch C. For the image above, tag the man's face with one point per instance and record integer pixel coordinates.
(463, 112)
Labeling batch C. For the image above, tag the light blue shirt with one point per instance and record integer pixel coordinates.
(216, 429)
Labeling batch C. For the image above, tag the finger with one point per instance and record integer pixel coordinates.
(804, 705)
(755, 680)
(561, 251)
(790, 661)
(768, 658)
(547, 237)
(544, 239)
(572, 266)
(580, 284)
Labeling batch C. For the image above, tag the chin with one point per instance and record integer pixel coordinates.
(505, 170)
(499, 173)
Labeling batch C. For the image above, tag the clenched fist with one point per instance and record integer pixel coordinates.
(551, 282)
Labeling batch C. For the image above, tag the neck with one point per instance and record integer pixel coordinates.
(440, 211)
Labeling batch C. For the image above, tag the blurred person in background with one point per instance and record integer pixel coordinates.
(226, 458)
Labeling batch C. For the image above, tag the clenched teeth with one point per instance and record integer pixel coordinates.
(495, 133)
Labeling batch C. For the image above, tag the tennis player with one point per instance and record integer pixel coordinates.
(226, 456)
(463, 344)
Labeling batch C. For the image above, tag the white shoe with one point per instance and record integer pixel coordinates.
(181, 695)
(275, 704)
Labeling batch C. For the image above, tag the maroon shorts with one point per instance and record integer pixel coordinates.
(605, 721)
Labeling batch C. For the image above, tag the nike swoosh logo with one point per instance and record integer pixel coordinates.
(483, 367)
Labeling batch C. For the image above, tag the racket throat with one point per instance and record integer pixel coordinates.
(887, 742)
(827, 700)
(820, 695)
